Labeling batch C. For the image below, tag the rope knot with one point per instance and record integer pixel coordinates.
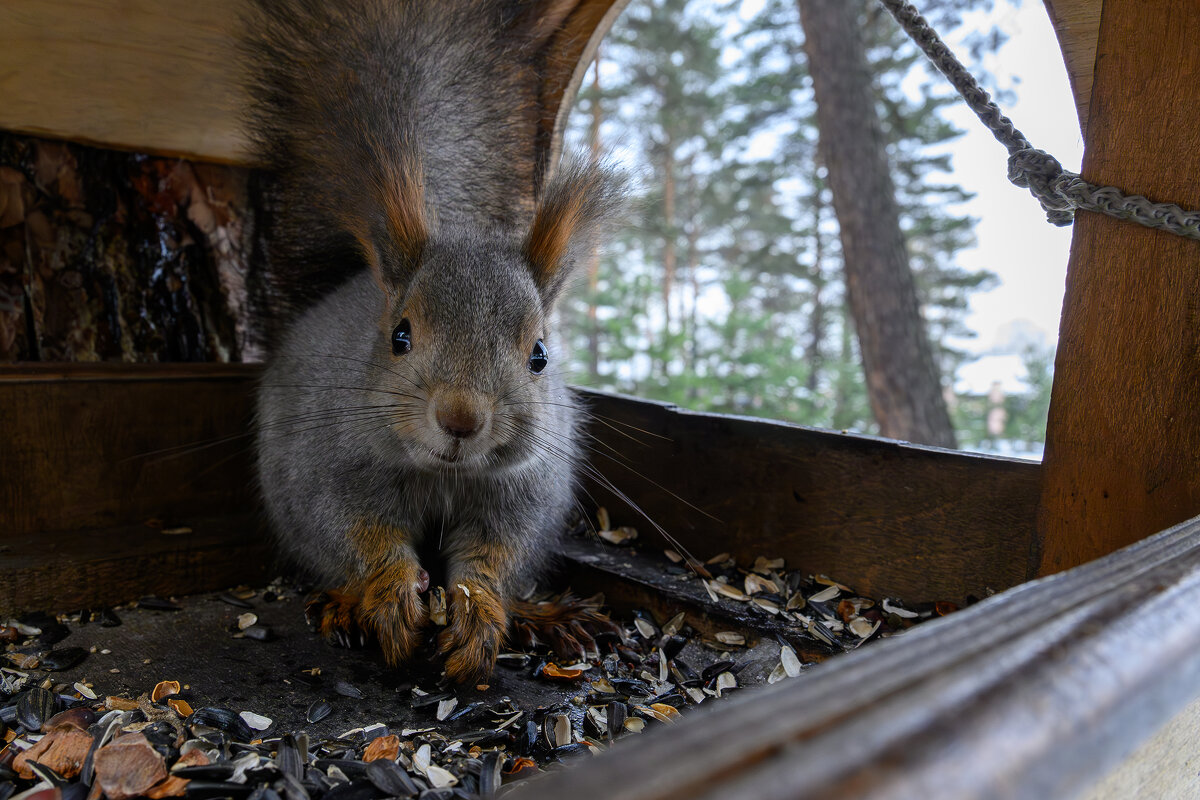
(1040, 173)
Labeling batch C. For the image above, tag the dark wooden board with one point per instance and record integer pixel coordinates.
(918, 523)
(1123, 434)
(891, 518)
(67, 570)
(1037, 692)
(103, 446)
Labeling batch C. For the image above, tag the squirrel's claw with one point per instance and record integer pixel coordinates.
(334, 614)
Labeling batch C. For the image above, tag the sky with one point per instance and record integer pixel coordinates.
(1014, 239)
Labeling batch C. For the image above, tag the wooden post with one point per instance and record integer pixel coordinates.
(1123, 438)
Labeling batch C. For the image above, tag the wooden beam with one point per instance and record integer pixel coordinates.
(1077, 25)
(1033, 693)
(1123, 436)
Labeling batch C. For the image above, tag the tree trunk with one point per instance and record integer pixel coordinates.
(901, 375)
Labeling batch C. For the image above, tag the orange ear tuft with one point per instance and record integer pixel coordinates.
(577, 204)
(392, 226)
(403, 202)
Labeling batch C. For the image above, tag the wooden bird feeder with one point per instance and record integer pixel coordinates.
(1078, 678)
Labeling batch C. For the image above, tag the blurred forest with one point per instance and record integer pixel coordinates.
(728, 294)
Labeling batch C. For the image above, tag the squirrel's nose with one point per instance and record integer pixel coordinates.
(459, 421)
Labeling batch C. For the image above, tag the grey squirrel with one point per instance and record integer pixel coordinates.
(420, 401)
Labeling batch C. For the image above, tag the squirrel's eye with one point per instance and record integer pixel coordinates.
(402, 338)
(538, 358)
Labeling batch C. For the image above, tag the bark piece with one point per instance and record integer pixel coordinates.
(383, 747)
(63, 750)
(128, 767)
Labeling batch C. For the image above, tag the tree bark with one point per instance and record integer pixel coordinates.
(901, 375)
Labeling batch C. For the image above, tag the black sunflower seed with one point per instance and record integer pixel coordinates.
(34, 707)
(319, 710)
(154, 603)
(389, 778)
(64, 658)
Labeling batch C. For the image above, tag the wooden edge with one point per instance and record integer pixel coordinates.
(69, 570)
(999, 700)
(1077, 26)
(120, 371)
(892, 518)
(572, 51)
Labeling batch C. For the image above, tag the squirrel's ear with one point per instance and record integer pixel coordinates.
(579, 204)
(400, 221)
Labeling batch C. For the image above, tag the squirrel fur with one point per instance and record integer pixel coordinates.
(415, 402)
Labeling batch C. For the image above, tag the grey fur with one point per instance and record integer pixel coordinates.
(346, 430)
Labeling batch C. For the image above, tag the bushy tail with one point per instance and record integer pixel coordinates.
(348, 97)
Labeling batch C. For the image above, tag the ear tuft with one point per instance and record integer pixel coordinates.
(579, 204)
(394, 228)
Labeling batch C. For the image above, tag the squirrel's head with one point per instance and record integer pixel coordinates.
(471, 368)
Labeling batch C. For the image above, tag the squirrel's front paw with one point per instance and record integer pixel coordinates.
(392, 609)
(477, 625)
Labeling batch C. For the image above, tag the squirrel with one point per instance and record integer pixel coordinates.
(415, 400)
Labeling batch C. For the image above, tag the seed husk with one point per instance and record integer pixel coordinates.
(348, 690)
(318, 710)
(164, 689)
(256, 721)
(725, 590)
(180, 706)
(34, 707)
(825, 595)
(602, 519)
(790, 661)
(446, 707)
(891, 608)
(246, 620)
(730, 637)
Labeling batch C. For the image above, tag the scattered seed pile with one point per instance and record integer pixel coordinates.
(65, 740)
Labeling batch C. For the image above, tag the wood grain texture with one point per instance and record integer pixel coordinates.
(1165, 767)
(161, 77)
(62, 571)
(155, 76)
(105, 447)
(891, 518)
(1123, 435)
(1077, 25)
(1034, 693)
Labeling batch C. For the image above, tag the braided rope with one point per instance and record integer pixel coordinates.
(1059, 191)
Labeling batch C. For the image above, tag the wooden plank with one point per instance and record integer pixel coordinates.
(102, 446)
(1163, 767)
(954, 708)
(915, 522)
(161, 77)
(889, 517)
(1124, 425)
(147, 75)
(63, 571)
(1077, 25)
